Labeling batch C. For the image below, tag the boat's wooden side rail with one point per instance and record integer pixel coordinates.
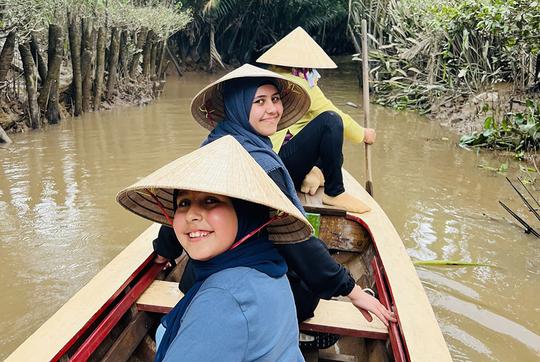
(99, 298)
(331, 316)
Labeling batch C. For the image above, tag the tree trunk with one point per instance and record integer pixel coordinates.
(172, 57)
(4, 138)
(141, 41)
(123, 58)
(56, 54)
(161, 56)
(54, 60)
(153, 58)
(54, 63)
(113, 62)
(147, 53)
(6, 57)
(30, 76)
(38, 58)
(75, 48)
(100, 67)
(86, 64)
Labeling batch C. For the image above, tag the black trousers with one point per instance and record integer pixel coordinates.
(319, 144)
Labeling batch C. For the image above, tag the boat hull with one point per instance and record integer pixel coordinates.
(104, 321)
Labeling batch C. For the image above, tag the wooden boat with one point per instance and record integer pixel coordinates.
(113, 317)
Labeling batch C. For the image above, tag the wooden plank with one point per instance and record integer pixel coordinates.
(418, 325)
(146, 351)
(355, 264)
(340, 317)
(325, 210)
(71, 318)
(160, 297)
(336, 231)
(129, 339)
(377, 352)
(325, 356)
(342, 234)
(331, 316)
(313, 203)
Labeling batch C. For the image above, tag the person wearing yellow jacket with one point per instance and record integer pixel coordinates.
(311, 149)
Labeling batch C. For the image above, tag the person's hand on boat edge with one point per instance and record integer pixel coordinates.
(369, 136)
(365, 302)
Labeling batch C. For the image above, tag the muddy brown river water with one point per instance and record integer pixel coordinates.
(59, 224)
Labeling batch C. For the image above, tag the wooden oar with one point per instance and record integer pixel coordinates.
(365, 88)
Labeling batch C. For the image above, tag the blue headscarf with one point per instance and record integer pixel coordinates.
(257, 252)
(238, 97)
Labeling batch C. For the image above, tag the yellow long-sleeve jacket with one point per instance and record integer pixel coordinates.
(319, 104)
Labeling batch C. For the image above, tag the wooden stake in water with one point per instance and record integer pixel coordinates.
(365, 86)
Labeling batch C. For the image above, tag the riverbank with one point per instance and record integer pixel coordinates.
(14, 119)
(472, 65)
(70, 58)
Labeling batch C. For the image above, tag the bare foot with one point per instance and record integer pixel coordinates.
(347, 202)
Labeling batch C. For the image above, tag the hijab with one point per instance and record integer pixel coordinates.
(257, 252)
(238, 97)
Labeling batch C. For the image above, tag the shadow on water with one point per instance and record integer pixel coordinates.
(60, 224)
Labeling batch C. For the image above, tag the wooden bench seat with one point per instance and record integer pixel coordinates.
(331, 316)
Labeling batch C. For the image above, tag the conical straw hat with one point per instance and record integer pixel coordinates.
(208, 109)
(222, 167)
(298, 50)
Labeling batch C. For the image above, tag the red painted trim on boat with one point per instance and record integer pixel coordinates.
(107, 324)
(102, 309)
(393, 332)
(399, 345)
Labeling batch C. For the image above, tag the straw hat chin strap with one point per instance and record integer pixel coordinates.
(160, 205)
(279, 215)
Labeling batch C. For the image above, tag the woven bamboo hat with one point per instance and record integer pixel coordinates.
(222, 167)
(297, 49)
(208, 109)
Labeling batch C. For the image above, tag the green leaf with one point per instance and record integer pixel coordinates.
(488, 123)
(448, 263)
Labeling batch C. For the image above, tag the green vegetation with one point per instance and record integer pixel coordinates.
(27, 16)
(237, 31)
(430, 54)
(447, 263)
(425, 49)
(519, 132)
(116, 48)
